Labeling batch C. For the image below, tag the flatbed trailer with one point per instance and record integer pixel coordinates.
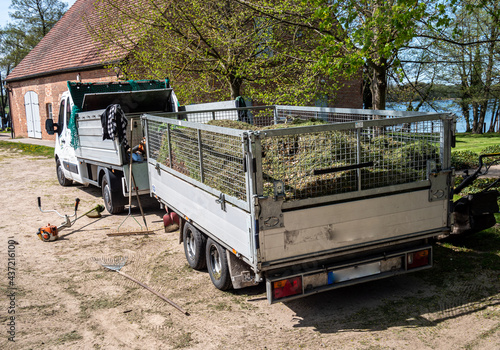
(305, 208)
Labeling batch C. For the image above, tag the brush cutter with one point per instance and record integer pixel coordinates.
(51, 232)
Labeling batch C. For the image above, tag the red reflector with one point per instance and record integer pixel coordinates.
(417, 259)
(288, 287)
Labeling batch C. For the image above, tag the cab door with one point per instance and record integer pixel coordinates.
(66, 152)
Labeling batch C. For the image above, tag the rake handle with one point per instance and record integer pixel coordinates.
(130, 166)
(154, 292)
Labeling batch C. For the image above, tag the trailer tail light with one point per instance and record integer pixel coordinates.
(287, 287)
(417, 259)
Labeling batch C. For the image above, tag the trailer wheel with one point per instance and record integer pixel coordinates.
(63, 181)
(110, 198)
(194, 246)
(217, 265)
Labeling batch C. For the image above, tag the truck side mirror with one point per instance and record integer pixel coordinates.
(51, 127)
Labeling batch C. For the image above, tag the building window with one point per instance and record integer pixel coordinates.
(49, 111)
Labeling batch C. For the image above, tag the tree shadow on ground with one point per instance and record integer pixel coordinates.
(463, 281)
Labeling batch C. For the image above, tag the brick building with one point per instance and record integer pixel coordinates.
(66, 53)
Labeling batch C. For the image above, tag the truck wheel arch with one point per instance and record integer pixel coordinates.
(61, 178)
(118, 201)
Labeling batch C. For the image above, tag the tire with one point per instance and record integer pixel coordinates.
(109, 198)
(63, 181)
(194, 247)
(217, 265)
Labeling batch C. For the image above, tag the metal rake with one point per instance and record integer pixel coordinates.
(116, 264)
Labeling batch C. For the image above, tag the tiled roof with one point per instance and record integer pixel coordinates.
(67, 47)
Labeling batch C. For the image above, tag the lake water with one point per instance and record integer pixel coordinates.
(442, 106)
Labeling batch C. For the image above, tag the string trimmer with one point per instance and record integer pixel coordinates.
(51, 232)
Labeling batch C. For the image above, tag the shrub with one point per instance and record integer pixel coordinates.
(461, 160)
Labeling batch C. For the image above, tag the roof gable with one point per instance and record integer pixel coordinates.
(67, 47)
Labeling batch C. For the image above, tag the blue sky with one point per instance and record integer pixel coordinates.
(4, 10)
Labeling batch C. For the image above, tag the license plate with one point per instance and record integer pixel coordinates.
(352, 273)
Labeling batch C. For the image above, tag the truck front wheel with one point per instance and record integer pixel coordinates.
(194, 246)
(63, 181)
(109, 198)
(217, 265)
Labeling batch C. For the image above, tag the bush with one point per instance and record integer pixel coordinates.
(477, 186)
(491, 149)
(461, 160)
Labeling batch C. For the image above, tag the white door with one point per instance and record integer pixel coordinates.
(32, 114)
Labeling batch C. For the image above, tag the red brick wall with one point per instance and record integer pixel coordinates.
(350, 95)
(49, 90)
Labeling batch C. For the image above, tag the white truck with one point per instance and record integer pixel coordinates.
(81, 153)
(305, 208)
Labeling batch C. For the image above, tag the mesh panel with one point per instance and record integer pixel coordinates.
(214, 159)
(333, 162)
(289, 115)
(223, 163)
(313, 162)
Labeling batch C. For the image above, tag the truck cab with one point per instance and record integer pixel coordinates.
(86, 153)
(66, 162)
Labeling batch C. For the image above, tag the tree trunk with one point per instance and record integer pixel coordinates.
(475, 118)
(235, 84)
(488, 81)
(466, 114)
(482, 115)
(493, 116)
(379, 85)
(497, 121)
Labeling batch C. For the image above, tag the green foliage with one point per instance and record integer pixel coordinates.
(491, 149)
(470, 146)
(214, 51)
(471, 50)
(437, 91)
(371, 33)
(478, 185)
(464, 160)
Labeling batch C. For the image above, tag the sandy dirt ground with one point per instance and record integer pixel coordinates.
(60, 297)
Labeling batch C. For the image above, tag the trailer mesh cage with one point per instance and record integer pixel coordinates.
(310, 152)
(211, 158)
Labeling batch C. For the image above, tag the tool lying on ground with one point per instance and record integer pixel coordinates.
(132, 185)
(51, 232)
(115, 264)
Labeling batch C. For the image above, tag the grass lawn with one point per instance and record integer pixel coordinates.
(34, 150)
(476, 142)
